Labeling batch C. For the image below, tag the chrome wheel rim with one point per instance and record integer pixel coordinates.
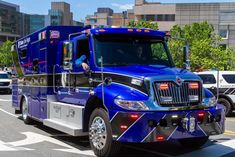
(25, 110)
(98, 133)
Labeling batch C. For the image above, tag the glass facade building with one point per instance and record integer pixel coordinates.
(36, 22)
(9, 21)
(55, 17)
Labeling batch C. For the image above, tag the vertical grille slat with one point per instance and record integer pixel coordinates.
(179, 94)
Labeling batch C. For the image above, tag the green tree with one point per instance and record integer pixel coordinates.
(5, 54)
(205, 49)
(143, 24)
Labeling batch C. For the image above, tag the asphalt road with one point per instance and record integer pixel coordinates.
(36, 140)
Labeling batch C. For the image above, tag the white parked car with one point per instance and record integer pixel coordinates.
(226, 85)
(5, 82)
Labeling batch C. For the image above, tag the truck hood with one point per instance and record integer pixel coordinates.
(151, 71)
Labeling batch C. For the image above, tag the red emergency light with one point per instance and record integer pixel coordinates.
(193, 85)
(160, 138)
(134, 116)
(164, 86)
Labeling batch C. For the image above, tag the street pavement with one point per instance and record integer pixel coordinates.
(36, 140)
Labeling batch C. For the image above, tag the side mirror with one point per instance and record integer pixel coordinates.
(68, 54)
(186, 58)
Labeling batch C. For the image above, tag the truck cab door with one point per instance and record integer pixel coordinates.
(62, 73)
(74, 82)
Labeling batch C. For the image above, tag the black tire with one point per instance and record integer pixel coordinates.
(17, 111)
(25, 115)
(227, 105)
(193, 142)
(109, 148)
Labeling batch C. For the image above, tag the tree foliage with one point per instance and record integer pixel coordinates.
(205, 49)
(143, 24)
(5, 54)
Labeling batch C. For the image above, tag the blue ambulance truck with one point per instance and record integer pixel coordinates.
(132, 91)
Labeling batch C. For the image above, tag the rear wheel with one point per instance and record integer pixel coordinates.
(227, 105)
(100, 134)
(25, 114)
(193, 142)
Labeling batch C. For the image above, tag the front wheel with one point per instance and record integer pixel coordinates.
(25, 114)
(227, 105)
(193, 142)
(100, 134)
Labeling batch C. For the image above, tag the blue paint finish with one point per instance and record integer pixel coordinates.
(140, 129)
(103, 31)
(72, 96)
(48, 53)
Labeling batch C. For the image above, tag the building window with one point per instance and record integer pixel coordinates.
(150, 17)
(223, 33)
(160, 18)
(165, 17)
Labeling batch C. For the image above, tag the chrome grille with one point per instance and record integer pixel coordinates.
(178, 95)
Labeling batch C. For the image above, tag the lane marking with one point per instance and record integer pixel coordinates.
(34, 138)
(9, 113)
(230, 120)
(5, 100)
(229, 135)
(216, 150)
(229, 132)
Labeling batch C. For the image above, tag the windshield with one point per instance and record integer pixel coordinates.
(4, 76)
(121, 50)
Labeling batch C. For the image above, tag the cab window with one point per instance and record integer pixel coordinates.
(208, 78)
(83, 48)
(229, 78)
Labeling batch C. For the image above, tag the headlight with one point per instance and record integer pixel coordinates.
(131, 105)
(210, 101)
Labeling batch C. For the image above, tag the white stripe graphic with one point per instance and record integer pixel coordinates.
(130, 126)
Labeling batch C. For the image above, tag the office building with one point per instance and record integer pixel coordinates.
(60, 14)
(163, 14)
(9, 21)
(106, 16)
(220, 15)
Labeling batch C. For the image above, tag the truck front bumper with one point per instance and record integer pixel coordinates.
(159, 126)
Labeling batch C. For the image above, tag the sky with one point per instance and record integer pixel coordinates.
(81, 8)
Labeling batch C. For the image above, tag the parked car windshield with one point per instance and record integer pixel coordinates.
(122, 50)
(5, 76)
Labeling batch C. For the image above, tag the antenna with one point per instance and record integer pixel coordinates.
(102, 78)
(217, 90)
